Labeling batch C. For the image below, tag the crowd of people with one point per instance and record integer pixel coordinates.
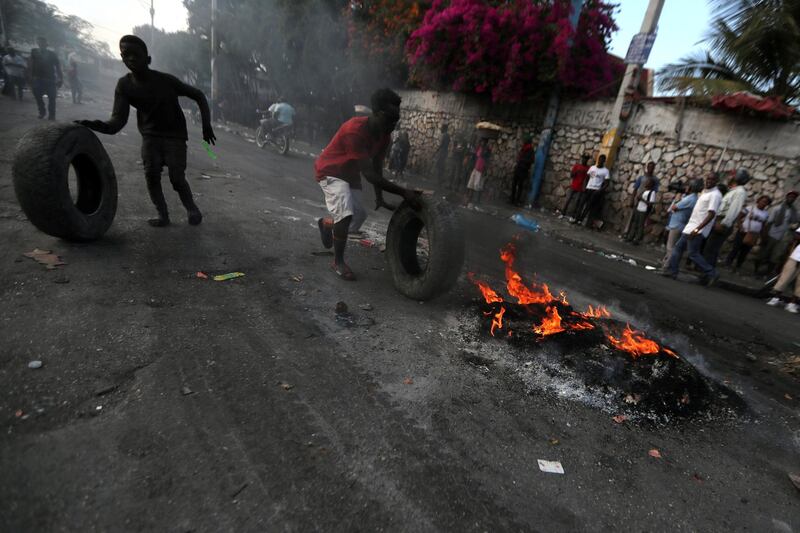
(41, 72)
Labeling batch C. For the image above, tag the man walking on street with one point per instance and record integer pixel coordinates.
(14, 65)
(731, 206)
(161, 122)
(75, 86)
(522, 171)
(696, 231)
(46, 77)
(358, 148)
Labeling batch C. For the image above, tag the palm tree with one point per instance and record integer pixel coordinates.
(754, 45)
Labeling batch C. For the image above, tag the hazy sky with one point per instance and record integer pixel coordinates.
(683, 22)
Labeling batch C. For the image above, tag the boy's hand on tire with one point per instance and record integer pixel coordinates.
(208, 134)
(91, 124)
(413, 198)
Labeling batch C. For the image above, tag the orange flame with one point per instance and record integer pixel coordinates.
(497, 321)
(635, 343)
(551, 323)
(516, 288)
(597, 312)
(488, 293)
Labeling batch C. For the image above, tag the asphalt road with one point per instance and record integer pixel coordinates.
(171, 403)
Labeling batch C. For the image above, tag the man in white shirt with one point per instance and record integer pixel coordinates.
(282, 113)
(732, 204)
(696, 231)
(595, 187)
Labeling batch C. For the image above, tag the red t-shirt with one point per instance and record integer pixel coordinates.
(579, 173)
(351, 143)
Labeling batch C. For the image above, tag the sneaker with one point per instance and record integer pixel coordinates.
(792, 308)
(774, 301)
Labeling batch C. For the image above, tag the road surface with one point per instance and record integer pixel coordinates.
(167, 402)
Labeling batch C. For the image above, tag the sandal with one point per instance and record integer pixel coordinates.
(343, 271)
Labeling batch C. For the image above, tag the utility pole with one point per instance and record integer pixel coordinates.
(3, 23)
(214, 74)
(636, 58)
(546, 137)
(152, 24)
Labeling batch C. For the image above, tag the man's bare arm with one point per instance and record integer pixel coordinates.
(119, 117)
(205, 112)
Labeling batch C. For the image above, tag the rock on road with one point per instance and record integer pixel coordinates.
(168, 402)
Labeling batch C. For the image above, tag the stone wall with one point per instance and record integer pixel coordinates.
(684, 142)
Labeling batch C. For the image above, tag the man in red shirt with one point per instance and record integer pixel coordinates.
(578, 185)
(358, 148)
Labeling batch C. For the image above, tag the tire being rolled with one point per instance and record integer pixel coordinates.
(445, 249)
(41, 168)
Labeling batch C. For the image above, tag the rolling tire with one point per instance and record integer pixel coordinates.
(445, 249)
(283, 144)
(40, 169)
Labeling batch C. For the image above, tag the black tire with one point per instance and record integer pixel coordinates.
(261, 139)
(41, 164)
(282, 142)
(445, 257)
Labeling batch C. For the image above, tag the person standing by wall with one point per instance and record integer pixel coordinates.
(791, 271)
(46, 77)
(398, 157)
(457, 162)
(477, 179)
(440, 156)
(644, 205)
(578, 176)
(679, 213)
(696, 231)
(522, 171)
(15, 66)
(595, 187)
(750, 227)
(781, 218)
(732, 204)
(649, 175)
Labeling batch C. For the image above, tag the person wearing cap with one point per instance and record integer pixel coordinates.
(782, 217)
(732, 204)
(522, 170)
(791, 271)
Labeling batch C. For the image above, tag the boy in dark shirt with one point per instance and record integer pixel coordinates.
(160, 121)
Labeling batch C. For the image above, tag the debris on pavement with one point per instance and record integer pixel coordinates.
(619, 419)
(35, 364)
(201, 275)
(230, 275)
(788, 397)
(285, 386)
(186, 391)
(527, 223)
(366, 307)
(654, 453)
(751, 357)
(633, 399)
(367, 243)
(795, 479)
(554, 442)
(297, 278)
(341, 308)
(551, 467)
(408, 381)
(239, 491)
(648, 267)
(46, 258)
(633, 262)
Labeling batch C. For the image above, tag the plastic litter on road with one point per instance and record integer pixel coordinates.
(527, 223)
(551, 467)
(230, 275)
(35, 364)
(46, 258)
(208, 150)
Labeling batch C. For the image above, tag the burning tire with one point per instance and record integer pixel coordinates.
(43, 160)
(425, 249)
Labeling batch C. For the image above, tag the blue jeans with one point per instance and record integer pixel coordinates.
(693, 245)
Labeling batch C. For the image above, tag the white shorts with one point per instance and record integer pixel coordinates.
(343, 202)
(475, 181)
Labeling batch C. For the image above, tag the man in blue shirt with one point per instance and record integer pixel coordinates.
(679, 213)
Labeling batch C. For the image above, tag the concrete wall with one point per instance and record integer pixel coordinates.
(684, 141)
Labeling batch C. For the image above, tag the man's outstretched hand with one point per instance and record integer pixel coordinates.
(91, 124)
(208, 134)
